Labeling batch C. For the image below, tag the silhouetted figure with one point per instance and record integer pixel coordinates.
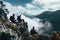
(12, 18)
(33, 31)
(19, 18)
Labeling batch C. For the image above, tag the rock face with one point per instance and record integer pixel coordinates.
(9, 30)
(53, 17)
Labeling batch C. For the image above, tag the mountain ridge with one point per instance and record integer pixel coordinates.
(53, 17)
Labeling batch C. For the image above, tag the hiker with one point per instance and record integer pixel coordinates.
(19, 18)
(12, 18)
(33, 31)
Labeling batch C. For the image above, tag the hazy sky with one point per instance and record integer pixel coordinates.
(31, 8)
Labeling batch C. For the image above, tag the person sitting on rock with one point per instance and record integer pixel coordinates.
(12, 18)
(19, 18)
(33, 31)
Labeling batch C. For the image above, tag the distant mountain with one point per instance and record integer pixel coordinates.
(53, 17)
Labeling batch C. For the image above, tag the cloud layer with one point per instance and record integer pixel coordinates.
(48, 4)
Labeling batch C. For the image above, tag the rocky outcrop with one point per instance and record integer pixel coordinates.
(13, 30)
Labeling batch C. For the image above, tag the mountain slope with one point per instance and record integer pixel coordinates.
(53, 17)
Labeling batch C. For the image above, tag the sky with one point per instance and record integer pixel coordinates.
(29, 8)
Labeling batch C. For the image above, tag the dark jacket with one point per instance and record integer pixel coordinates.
(32, 32)
(12, 18)
(19, 19)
